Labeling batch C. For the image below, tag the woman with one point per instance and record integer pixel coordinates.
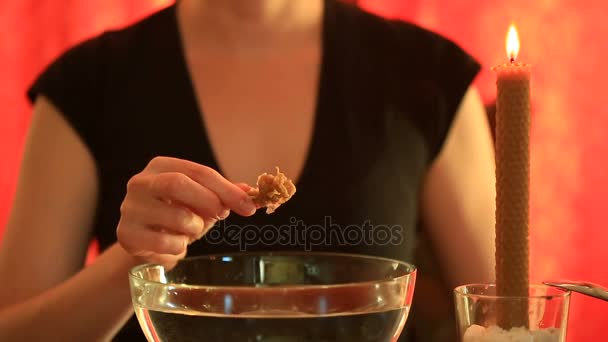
(375, 121)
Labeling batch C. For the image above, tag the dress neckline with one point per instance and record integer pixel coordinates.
(196, 108)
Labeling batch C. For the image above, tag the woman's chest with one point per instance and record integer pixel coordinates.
(259, 113)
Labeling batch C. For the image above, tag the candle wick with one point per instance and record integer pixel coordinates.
(512, 59)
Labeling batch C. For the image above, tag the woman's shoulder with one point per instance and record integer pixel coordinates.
(120, 42)
(81, 80)
(413, 72)
(84, 66)
(129, 39)
(367, 21)
(397, 39)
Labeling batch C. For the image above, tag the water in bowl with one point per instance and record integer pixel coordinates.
(264, 326)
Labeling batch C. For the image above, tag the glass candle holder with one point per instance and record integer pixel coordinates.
(478, 308)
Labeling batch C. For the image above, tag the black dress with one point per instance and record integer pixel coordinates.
(388, 93)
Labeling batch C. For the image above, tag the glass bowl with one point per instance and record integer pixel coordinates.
(268, 297)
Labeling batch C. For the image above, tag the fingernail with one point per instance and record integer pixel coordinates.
(248, 207)
(223, 215)
(195, 224)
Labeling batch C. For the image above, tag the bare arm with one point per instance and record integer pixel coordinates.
(458, 200)
(45, 294)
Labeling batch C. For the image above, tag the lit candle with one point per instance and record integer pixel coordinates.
(512, 183)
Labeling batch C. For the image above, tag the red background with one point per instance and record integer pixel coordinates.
(565, 42)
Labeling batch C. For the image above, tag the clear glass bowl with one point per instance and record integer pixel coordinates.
(268, 297)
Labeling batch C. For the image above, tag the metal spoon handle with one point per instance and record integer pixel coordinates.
(586, 288)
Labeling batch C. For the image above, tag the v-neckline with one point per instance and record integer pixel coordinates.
(196, 114)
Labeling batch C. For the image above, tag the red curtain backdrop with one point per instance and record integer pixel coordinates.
(564, 41)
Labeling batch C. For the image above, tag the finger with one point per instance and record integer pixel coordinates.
(140, 240)
(181, 189)
(244, 186)
(150, 211)
(175, 187)
(166, 260)
(209, 223)
(231, 195)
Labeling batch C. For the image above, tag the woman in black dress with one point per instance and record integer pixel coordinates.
(141, 138)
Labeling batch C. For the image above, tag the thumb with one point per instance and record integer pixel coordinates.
(244, 186)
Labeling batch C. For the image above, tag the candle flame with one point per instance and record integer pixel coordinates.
(512, 43)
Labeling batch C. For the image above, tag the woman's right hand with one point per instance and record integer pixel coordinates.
(172, 203)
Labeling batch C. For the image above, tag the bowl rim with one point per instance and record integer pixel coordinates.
(407, 277)
(557, 292)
